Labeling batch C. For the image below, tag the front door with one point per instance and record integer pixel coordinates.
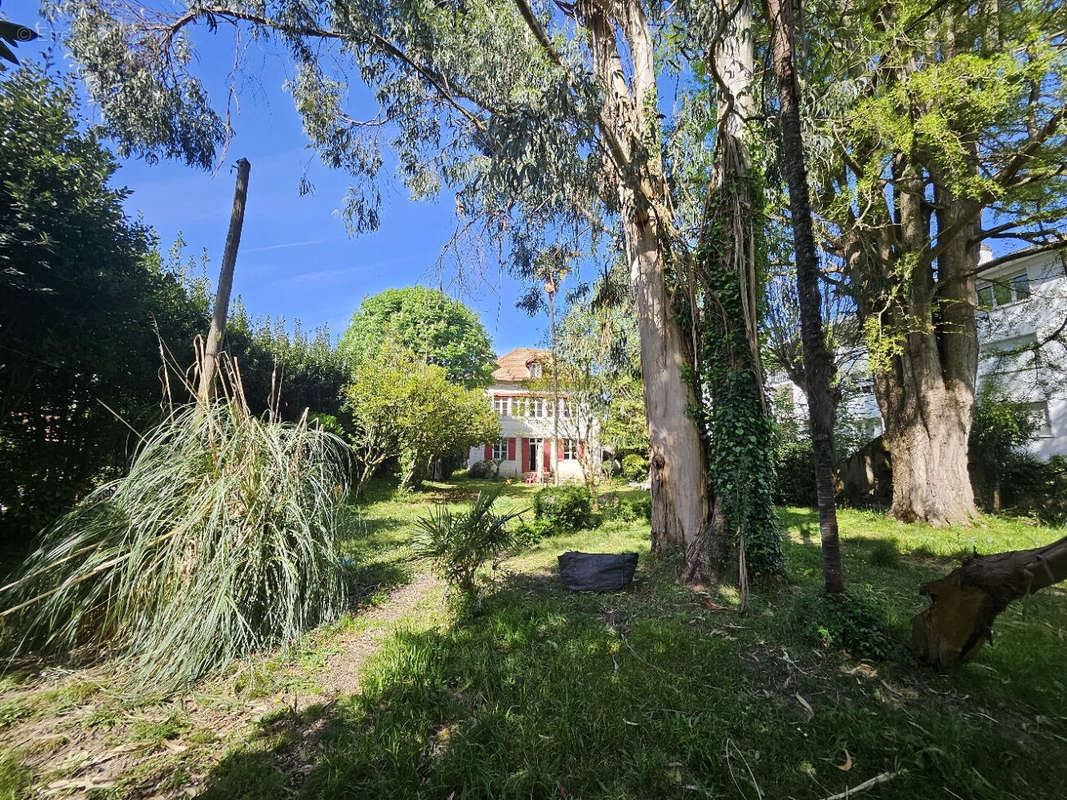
(536, 448)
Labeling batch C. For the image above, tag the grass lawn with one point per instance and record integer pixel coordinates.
(649, 693)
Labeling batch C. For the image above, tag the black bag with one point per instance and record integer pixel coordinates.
(597, 572)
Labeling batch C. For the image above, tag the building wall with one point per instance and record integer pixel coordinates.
(517, 427)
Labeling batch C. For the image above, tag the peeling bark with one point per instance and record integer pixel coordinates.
(964, 603)
(680, 507)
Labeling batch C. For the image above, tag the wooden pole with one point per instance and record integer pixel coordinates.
(222, 296)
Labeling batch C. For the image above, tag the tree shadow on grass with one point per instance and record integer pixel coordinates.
(551, 694)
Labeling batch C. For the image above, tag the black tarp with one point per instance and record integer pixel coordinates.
(597, 572)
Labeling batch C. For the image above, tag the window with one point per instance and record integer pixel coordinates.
(537, 407)
(570, 449)
(1002, 291)
(535, 369)
(500, 450)
(568, 410)
(1039, 413)
(501, 405)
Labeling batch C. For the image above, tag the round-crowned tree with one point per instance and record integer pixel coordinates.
(437, 329)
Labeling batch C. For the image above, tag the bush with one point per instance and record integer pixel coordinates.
(483, 469)
(795, 470)
(884, 553)
(566, 509)
(1036, 487)
(627, 509)
(532, 532)
(219, 542)
(635, 468)
(458, 545)
(852, 621)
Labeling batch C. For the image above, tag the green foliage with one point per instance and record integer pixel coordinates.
(738, 427)
(530, 532)
(1034, 487)
(566, 509)
(286, 373)
(405, 409)
(627, 509)
(83, 294)
(483, 469)
(1002, 427)
(853, 621)
(884, 554)
(437, 329)
(794, 466)
(458, 545)
(635, 467)
(219, 542)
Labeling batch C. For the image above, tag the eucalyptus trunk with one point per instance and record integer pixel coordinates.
(818, 364)
(726, 316)
(680, 507)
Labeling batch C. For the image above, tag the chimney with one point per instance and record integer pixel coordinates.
(985, 255)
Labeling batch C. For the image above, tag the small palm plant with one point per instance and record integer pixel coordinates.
(458, 545)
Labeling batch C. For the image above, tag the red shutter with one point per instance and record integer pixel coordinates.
(525, 454)
(488, 452)
(581, 449)
(559, 449)
(511, 449)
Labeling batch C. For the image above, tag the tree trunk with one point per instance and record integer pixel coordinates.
(964, 604)
(222, 295)
(680, 511)
(927, 426)
(818, 365)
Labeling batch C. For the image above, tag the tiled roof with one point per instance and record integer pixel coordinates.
(512, 366)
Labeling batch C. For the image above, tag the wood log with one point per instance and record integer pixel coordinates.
(964, 603)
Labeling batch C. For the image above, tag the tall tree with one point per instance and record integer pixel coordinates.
(818, 364)
(554, 127)
(83, 293)
(937, 128)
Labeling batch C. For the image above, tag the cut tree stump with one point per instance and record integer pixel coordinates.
(964, 603)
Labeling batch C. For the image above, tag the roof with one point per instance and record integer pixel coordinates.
(1049, 247)
(513, 366)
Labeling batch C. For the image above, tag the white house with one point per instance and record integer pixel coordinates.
(1022, 302)
(529, 419)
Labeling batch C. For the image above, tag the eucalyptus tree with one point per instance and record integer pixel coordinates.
(545, 121)
(933, 129)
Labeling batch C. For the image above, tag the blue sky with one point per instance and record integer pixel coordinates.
(296, 260)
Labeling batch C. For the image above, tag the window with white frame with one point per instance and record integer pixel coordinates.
(537, 407)
(570, 449)
(501, 405)
(535, 370)
(500, 450)
(568, 409)
(1004, 290)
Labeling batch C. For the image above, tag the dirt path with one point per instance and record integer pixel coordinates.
(75, 736)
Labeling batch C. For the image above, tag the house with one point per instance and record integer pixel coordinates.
(530, 418)
(1022, 308)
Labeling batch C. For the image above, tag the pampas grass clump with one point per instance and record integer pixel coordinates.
(220, 541)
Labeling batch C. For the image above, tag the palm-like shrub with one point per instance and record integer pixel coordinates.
(458, 545)
(220, 541)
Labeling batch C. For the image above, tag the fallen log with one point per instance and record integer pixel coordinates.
(964, 603)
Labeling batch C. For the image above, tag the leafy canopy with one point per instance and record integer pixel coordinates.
(437, 329)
